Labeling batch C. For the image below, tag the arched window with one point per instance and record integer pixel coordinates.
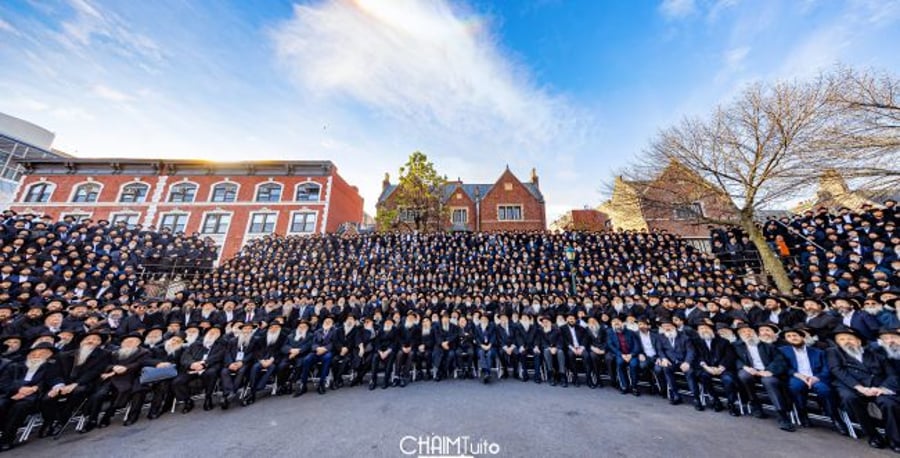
(134, 192)
(268, 192)
(183, 192)
(39, 192)
(87, 192)
(224, 192)
(308, 192)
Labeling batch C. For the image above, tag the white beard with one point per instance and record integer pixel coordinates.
(670, 334)
(83, 353)
(854, 352)
(152, 342)
(299, 336)
(190, 338)
(124, 353)
(171, 348)
(207, 342)
(271, 338)
(34, 364)
(893, 351)
(752, 341)
(243, 340)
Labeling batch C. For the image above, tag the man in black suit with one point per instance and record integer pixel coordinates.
(760, 362)
(527, 343)
(408, 341)
(266, 357)
(445, 338)
(714, 357)
(345, 346)
(425, 348)
(862, 376)
(80, 371)
(293, 353)
(201, 360)
(386, 342)
(21, 386)
(575, 340)
(322, 352)
(167, 355)
(239, 359)
(552, 350)
(819, 323)
(675, 353)
(506, 347)
(119, 383)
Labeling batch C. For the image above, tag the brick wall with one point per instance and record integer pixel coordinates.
(508, 190)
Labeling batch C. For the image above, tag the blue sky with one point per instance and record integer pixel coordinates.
(573, 88)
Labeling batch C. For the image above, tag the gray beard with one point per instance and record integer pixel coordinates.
(854, 352)
(893, 351)
(271, 338)
(190, 339)
(752, 341)
(34, 364)
(171, 349)
(243, 341)
(124, 353)
(83, 353)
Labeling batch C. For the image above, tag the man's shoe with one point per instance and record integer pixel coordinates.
(635, 391)
(5, 447)
(55, 428)
(717, 406)
(104, 421)
(565, 382)
(676, 401)
(757, 412)
(734, 410)
(698, 406)
(153, 415)
(88, 427)
(226, 402)
(321, 388)
(208, 404)
(130, 421)
(403, 383)
(372, 385)
(188, 406)
(840, 427)
(786, 425)
(876, 442)
(301, 391)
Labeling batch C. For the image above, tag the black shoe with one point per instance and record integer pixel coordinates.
(5, 447)
(372, 385)
(301, 391)
(565, 382)
(698, 406)
(104, 421)
(55, 429)
(42, 433)
(537, 379)
(876, 442)
(153, 415)
(785, 425)
(553, 381)
(396, 383)
(208, 404)
(403, 383)
(130, 421)
(717, 406)
(321, 388)
(734, 410)
(226, 402)
(635, 391)
(88, 427)
(840, 427)
(188, 406)
(895, 448)
(676, 401)
(624, 391)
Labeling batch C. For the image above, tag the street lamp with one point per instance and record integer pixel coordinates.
(570, 255)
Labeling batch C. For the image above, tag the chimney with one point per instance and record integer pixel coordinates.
(386, 182)
(534, 177)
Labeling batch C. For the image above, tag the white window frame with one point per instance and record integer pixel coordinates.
(122, 192)
(306, 183)
(463, 209)
(173, 185)
(250, 222)
(52, 186)
(315, 214)
(212, 191)
(521, 212)
(216, 212)
(268, 183)
(699, 205)
(137, 215)
(78, 185)
(187, 219)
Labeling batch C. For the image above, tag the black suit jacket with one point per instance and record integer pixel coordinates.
(848, 372)
(580, 334)
(13, 378)
(719, 353)
(771, 356)
(215, 356)
(86, 374)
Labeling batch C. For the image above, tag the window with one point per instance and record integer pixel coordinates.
(39, 192)
(130, 218)
(134, 192)
(460, 216)
(87, 192)
(176, 222)
(79, 217)
(269, 192)
(689, 211)
(262, 223)
(224, 192)
(407, 215)
(308, 192)
(183, 192)
(509, 213)
(303, 222)
(216, 223)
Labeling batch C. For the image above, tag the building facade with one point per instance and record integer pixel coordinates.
(676, 200)
(20, 140)
(506, 205)
(587, 219)
(230, 202)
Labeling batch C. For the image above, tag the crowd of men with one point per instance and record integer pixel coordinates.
(643, 312)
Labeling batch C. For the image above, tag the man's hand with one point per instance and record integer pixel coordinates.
(119, 370)
(24, 392)
(68, 388)
(344, 351)
(664, 362)
(293, 352)
(764, 373)
(642, 358)
(197, 366)
(445, 345)
(321, 351)
(163, 364)
(684, 367)
(235, 366)
(266, 362)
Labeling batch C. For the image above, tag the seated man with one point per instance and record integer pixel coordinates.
(551, 350)
(675, 353)
(21, 386)
(202, 361)
(715, 358)
(527, 344)
(485, 338)
(362, 354)
(623, 348)
(506, 347)
(80, 373)
(294, 351)
(648, 357)
(445, 338)
(464, 356)
(238, 361)
(808, 371)
(267, 357)
(386, 343)
(760, 362)
(345, 344)
(322, 351)
(862, 376)
(408, 338)
(168, 355)
(575, 340)
(119, 384)
(425, 349)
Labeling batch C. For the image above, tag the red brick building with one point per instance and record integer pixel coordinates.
(506, 205)
(587, 219)
(229, 202)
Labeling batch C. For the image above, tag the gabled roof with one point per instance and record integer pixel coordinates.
(474, 191)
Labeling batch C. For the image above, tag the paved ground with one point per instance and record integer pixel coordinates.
(522, 418)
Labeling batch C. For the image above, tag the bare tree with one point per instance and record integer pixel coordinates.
(759, 151)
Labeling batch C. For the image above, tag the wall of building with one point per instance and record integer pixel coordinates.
(509, 191)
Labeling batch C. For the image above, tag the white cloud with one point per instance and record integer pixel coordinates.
(110, 94)
(7, 27)
(427, 67)
(89, 29)
(675, 9)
